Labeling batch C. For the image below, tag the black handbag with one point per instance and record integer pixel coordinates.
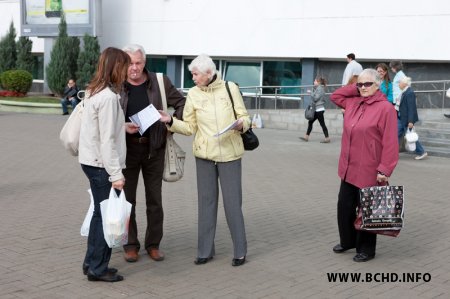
(249, 138)
(310, 111)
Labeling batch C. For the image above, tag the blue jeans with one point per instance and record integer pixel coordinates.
(73, 102)
(401, 133)
(98, 253)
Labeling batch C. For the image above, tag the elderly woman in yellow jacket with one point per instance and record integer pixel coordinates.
(209, 110)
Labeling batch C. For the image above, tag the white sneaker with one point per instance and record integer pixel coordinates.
(421, 156)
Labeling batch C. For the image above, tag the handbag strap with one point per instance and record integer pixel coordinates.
(170, 150)
(162, 89)
(231, 97)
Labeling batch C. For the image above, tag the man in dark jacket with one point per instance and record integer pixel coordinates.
(407, 115)
(146, 152)
(69, 96)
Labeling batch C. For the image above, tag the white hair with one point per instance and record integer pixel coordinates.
(133, 48)
(372, 74)
(203, 64)
(406, 80)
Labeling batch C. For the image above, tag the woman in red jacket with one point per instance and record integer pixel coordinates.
(369, 154)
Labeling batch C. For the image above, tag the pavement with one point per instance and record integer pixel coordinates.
(290, 195)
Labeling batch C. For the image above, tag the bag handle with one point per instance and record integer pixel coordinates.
(170, 153)
(162, 90)
(231, 97)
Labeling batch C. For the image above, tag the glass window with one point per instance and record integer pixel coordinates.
(282, 73)
(156, 65)
(243, 73)
(187, 78)
(38, 67)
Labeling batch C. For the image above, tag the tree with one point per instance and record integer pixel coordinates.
(8, 50)
(25, 60)
(60, 68)
(87, 61)
(73, 52)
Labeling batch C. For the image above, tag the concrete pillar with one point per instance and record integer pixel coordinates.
(308, 76)
(48, 47)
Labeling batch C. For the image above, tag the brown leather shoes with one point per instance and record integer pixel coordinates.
(131, 256)
(155, 254)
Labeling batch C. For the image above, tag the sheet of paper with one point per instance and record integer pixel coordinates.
(145, 118)
(229, 127)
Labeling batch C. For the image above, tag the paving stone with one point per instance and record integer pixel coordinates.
(290, 195)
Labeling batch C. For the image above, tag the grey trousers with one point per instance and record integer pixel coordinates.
(209, 173)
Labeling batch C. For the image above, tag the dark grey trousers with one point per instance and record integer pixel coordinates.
(209, 173)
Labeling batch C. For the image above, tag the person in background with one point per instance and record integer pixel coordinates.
(318, 97)
(369, 154)
(407, 115)
(386, 84)
(69, 96)
(146, 153)
(208, 110)
(352, 69)
(102, 153)
(397, 67)
(447, 94)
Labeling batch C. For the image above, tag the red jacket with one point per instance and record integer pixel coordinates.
(369, 138)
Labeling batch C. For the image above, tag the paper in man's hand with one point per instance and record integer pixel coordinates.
(145, 118)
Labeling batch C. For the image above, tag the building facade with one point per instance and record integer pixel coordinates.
(264, 43)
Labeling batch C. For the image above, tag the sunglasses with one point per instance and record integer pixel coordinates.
(365, 84)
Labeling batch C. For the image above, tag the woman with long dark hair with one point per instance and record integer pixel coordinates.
(102, 152)
(386, 84)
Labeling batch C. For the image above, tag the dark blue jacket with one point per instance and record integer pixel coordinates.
(408, 108)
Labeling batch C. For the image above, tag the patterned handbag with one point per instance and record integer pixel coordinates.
(381, 210)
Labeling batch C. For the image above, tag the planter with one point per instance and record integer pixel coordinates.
(24, 107)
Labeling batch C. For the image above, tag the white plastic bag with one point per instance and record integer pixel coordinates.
(116, 212)
(410, 146)
(84, 231)
(411, 135)
(257, 121)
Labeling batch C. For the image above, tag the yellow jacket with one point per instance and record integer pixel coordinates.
(208, 110)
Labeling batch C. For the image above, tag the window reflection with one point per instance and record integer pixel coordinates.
(156, 65)
(282, 73)
(243, 73)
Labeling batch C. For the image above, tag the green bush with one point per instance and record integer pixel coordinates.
(16, 80)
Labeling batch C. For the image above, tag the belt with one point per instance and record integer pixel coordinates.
(139, 140)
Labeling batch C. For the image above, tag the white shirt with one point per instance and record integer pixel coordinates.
(353, 69)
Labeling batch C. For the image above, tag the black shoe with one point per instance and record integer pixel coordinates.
(107, 277)
(202, 260)
(65, 113)
(86, 268)
(238, 262)
(339, 249)
(363, 257)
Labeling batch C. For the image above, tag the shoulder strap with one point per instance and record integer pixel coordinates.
(231, 98)
(162, 90)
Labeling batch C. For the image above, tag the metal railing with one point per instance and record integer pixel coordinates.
(430, 95)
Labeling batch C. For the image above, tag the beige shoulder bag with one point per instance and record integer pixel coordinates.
(175, 156)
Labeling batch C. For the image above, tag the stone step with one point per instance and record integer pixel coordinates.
(435, 142)
(433, 132)
(437, 151)
(435, 124)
